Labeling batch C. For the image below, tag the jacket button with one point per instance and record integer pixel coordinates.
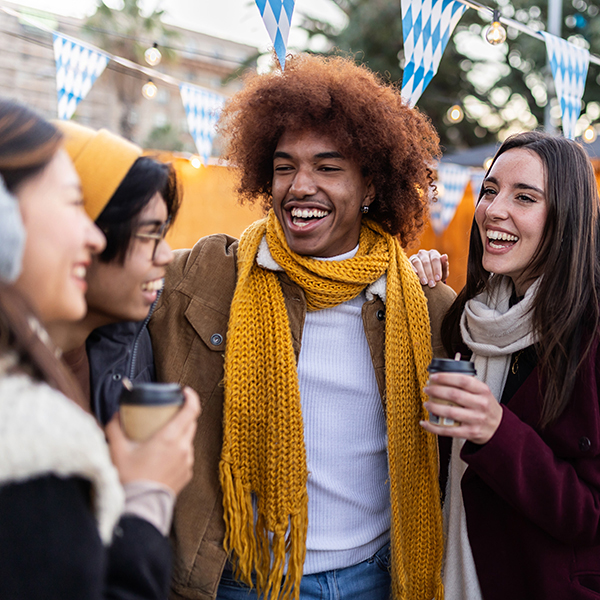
(216, 339)
(584, 444)
(117, 377)
(380, 315)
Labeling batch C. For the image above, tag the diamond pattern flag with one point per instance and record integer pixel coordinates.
(202, 108)
(77, 68)
(451, 183)
(569, 65)
(477, 177)
(277, 15)
(426, 26)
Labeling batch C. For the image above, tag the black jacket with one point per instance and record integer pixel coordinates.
(116, 351)
(50, 548)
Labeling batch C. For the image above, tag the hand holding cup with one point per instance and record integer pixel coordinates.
(166, 457)
(465, 406)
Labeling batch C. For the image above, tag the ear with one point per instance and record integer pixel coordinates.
(369, 191)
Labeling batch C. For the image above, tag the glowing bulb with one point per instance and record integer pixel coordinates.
(149, 90)
(589, 135)
(455, 114)
(495, 34)
(153, 55)
(196, 162)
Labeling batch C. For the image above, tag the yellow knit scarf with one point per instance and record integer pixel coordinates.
(263, 444)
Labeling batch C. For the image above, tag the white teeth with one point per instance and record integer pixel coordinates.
(500, 235)
(309, 213)
(152, 286)
(79, 271)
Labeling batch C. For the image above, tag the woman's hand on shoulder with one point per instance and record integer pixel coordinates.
(430, 266)
(167, 457)
(477, 411)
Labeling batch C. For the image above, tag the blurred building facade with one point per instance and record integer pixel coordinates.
(28, 74)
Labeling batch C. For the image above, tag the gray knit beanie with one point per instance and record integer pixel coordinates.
(12, 236)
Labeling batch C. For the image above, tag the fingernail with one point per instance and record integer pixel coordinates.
(437, 277)
(424, 281)
(431, 283)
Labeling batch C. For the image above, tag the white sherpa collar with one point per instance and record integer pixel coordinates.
(265, 259)
(44, 433)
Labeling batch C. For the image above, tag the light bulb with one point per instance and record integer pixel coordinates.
(149, 90)
(495, 34)
(590, 135)
(153, 55)
(455, 114)
(196, 162)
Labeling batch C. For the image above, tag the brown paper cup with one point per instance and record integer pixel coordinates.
(141, 422)
(442, 421)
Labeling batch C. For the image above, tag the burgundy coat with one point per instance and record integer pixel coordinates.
(532, 497)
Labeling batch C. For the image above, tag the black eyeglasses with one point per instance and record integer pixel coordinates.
(157, 236)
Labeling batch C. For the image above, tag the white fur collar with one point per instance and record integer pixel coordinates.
(44, 433)
(265, 259)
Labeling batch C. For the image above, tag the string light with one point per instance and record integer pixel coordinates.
(195, 162)
(455, 114)
(153, 55)
(149, 90)
(590, 135)
(495, 34)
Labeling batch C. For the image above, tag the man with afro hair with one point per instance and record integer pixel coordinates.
(308, 342)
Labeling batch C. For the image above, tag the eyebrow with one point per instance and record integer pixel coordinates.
(518, 186)
(320, 155)
(154, 222)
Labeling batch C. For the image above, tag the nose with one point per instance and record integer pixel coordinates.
(95, 239)
(497, 209)
(303, 183)
(163, 255)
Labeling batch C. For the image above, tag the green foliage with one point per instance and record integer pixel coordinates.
(501, 89)
(165, 137)
(128, 33)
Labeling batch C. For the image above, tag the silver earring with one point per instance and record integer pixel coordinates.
(364, 209)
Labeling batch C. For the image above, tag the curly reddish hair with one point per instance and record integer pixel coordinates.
(392, 143)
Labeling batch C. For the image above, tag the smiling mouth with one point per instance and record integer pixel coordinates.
(303, 216)
(500, 239)
(153, 286)
(79, 271)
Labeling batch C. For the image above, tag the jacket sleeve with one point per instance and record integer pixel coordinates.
(139, 562)
(50, 547)
(551, 477)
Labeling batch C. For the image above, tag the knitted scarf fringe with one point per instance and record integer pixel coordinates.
(263, 444)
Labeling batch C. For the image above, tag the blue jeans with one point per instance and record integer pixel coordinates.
(368, 580)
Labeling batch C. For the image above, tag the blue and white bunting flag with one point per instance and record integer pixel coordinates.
(426, 26)
(451, 183)
(202, 108)
(569, 65)
(77, 68)
(277, 15)
(476, 182)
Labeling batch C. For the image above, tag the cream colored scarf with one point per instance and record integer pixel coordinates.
(493, 331)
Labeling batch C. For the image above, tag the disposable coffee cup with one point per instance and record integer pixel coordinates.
(146, 407)
(446, 365)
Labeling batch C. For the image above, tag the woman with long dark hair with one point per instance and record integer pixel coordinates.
(72, 525)
(522, 505)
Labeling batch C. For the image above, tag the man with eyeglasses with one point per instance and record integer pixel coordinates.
(133, 202)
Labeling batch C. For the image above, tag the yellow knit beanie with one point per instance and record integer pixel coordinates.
(101, 159)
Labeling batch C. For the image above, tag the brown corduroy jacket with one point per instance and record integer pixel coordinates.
(189, 330)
